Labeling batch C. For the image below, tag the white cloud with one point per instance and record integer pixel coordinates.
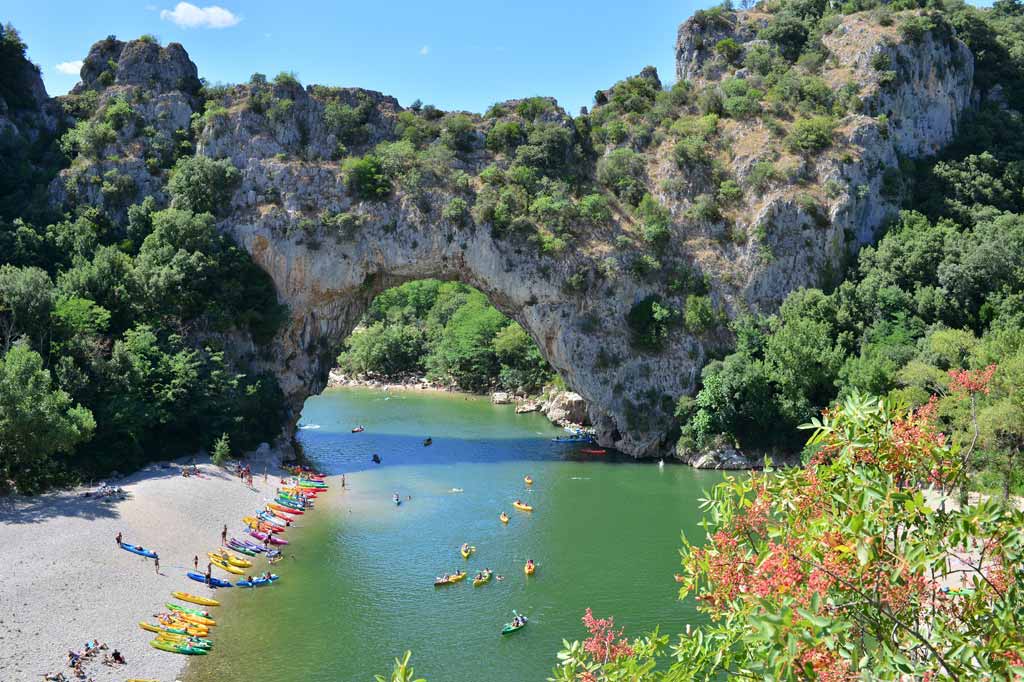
(425, 50)
(187, 15)
(69, 68)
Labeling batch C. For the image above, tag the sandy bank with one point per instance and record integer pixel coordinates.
(65, 581)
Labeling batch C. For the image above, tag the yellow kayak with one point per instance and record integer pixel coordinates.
(529, 568)
(466, 551)
(176, 626)
(225, 566)
(528, 480)
(484, 578)
(195, 599)
(196, 620)
(224, 555)
(503, 517)
(521, 506)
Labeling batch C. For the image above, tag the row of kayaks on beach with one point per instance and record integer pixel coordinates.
(184, 628)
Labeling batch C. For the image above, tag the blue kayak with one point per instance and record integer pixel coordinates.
(200, 578)
(573, 439)
(257, 582)
(138, 549)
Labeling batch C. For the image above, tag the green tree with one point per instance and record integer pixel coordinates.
(37, 421)
(221, 452)
(202, 185)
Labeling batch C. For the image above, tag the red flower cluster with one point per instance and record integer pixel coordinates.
(604, 643)
(827, 665)
(971, 380)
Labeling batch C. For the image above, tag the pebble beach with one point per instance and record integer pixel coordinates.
(66, 582)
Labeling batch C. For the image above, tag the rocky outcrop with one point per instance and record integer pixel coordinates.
(331, 250)
(566, 407)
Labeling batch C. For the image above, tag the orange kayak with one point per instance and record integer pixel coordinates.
(287, 510)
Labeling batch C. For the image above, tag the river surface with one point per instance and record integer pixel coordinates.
(357, 585)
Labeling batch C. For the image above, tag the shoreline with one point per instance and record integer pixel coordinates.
(67, 582)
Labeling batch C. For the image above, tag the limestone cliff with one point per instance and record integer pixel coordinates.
(583, 287)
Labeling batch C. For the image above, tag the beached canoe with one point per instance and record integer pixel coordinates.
(138, 549)
(200, 642)
(187, 609)
(284, 516)
(249, 544)
(522, 506)
(200, 578)
(263, 536)
(240, 548)
(152, 627)
(224, 555)
(195, 599)
(294, 511)
(176, 648)
(175, 627)
(257, 582)
(225, 566)
(267, 517)
(483, 579)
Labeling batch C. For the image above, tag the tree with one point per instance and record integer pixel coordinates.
(202, 185)
(366, 178)
(26, 299)
(37, 421)
(221, 452)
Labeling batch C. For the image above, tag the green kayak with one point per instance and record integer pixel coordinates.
(185, 609)
(510, 628)
(164, 645)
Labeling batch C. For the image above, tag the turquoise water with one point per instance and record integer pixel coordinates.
(357, 585)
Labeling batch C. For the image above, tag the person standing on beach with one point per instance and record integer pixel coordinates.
(195, 562)
(156, 562)
(224, 535)
(118, 538)
(343, 480)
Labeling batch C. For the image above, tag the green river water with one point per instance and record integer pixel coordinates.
(357, 585)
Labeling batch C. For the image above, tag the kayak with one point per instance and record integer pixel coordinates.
(451, 580)
(267, 517)
(521, 506)
(225, 566)
(398, 501)
(283, 508)
(138, 549)
(510, 628)
(466, 551)
(263, 536)
(231, 559)
(195, 599)
(358, 429)
(177, 648)
(427, 442)
(200, 578)
(291, 503)
(240, 548)
(257, 582)
(200, 642)
(178, 624)
(262, 525)
(483, 580)
(176, 628)
(503, 517)
(572, 439)
(280, 514)
(593, 451)
(185, 609)
(196, 620)
(528, 480)
(529, 568)
(161, 628)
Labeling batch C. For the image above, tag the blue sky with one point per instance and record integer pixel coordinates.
(454, 54)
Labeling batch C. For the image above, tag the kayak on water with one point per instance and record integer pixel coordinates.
(466, 550)
(528, 480)
(530, 567)
(358, 429)
(451, 579)
(257, 582)
(138, 549)
(485, 577)
(593, 451)
(503, 517)
(427, 442)
(518, 623)
(572, 439)
(200, 578)
(522, 506)
(195, 599)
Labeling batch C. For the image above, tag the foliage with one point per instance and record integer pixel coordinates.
(649, 323)
(622, 171)
(366, 178)
(811, 134)
(221, 452)
(202, 185)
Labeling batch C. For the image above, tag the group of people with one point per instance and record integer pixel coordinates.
(245, 473)
(78, 659)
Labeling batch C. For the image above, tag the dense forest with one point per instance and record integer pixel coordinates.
(112, 331)
(447, 332)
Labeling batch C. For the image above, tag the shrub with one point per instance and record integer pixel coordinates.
(811, 134)
(762, 174)
(729, 192)
(532, 107)
(728, 49)
(622, 171)
(704, 207)
(221, 452)
(700, 314)
(458, 133)
(649, 323)
(787, 32)
(656, 219)
(366, 178)
(88, 139)
(455, 211)
(118, 113)
(505, 136)
(287, 79)
(594, 209)
(348, 123)
(913, 28)
(201, 184)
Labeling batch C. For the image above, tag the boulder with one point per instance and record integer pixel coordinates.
(501, 398)
(566, 407)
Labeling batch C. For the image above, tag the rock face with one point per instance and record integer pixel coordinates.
(330, 252)
(566, 407)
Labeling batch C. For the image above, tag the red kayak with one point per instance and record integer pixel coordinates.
(593, 451)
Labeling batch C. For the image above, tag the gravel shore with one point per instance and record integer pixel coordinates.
(65, 581)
